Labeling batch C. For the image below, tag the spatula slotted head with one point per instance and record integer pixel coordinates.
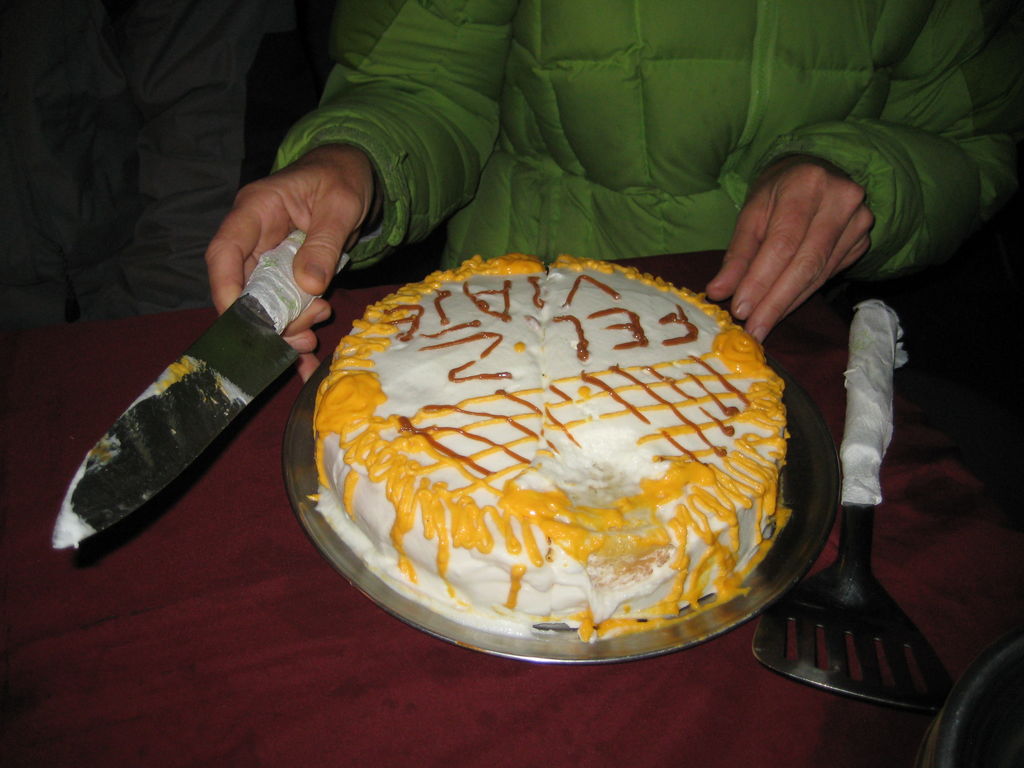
(873, 653)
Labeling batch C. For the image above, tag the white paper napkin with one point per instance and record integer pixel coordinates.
(273, 284)
(875, 351)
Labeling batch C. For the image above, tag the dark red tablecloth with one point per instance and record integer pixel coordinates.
(207, 629)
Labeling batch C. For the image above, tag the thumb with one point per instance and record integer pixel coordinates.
(317, 261)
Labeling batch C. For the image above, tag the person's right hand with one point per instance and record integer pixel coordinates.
(327, 193)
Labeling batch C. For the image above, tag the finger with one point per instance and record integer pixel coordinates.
(787, 226)
(307, 365)
(257, 222)
(760, 324)
(302, 341)
(315, 263)
(743, 245)
(317, 260)
(852, 252)
(823, 253)
(856, 238)
(226, 256)
(272, 237)
(300, 336)
(317, 312)
(801, 279)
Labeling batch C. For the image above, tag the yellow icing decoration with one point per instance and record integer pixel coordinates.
(346, 401)
(740, 352)
(176, 371)
(515, 585)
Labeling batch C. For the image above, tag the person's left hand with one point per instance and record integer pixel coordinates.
(804, 221)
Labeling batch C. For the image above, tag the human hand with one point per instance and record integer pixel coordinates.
(804, 221)
(327, 193)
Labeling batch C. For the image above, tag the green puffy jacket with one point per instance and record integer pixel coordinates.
(620, 128)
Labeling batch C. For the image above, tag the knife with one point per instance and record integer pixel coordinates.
(173, 421)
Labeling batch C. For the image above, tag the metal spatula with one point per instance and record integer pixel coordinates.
(839, 629)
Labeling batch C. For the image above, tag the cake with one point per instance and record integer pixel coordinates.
(526, 448)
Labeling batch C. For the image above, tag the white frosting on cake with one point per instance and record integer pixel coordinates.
(584, 445)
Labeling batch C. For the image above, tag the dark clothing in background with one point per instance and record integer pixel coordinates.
(121, 144)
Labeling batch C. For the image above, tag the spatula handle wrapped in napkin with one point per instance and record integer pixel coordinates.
(875, 351)
(273, 284)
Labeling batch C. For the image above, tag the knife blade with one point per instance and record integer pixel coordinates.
(195, 398)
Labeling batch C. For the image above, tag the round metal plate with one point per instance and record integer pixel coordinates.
(810, 487)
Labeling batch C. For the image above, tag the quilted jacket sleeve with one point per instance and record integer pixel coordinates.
(941, 158)
(416, 86)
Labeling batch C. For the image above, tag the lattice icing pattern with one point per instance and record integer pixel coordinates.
(581, 445)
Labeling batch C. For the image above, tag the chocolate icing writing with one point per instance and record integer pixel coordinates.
(679, 318)
(459, 327)
(413, 319)
(582, 345)
(453, 374)
(632, 325)
(538, 302)
(485, 307)
(576, 284)
(442, 294)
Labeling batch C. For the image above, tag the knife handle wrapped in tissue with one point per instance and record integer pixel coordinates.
(875, 351)
(272, 282)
